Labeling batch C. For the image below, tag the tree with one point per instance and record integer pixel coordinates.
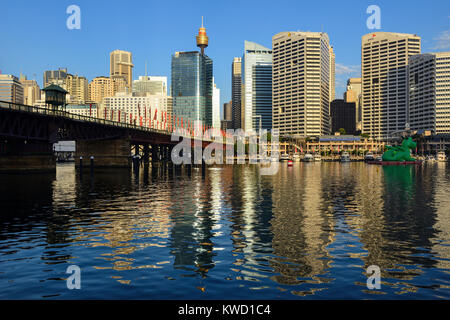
(342, 131)
(364, 135)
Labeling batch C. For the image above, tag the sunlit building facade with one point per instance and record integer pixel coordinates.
(192, 87)
(257, 85)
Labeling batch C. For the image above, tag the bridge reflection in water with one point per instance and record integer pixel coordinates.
(309, 231)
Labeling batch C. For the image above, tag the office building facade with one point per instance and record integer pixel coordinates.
(153, 85)
(192, 87)
(353, 95)
(31, 91)
(301, 83)
(11, 90)
(236, 92)
(57, 77)
(216, 106)
(384, 73)
(121, 65)
(429, 92)
(343, 116)
(257, 87)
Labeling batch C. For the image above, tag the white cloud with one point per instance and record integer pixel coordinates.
(346, 70)
(443, 40)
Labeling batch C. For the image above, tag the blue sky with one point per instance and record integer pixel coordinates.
(34, 36)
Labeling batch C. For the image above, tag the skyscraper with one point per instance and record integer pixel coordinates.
(301, 83)
(257, 84)
(121, 65)
(215, 106)
(192, 84)
(343, 116)
(332, 74)
(236, 94)
(429, 92)
(384, 81)
(57, 77)
(353, 94)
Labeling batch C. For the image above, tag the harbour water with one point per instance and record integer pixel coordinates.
(308, 232)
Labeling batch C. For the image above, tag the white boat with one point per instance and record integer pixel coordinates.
(430, 159)
(308, 157)
(296, 157)
(284, 157)
(345, 157)
(317, 157)
(369, 157)
(379, 159)
(441, 157)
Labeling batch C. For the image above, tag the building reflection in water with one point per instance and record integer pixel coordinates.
(301, 229)
(193, 221)
(441, 204)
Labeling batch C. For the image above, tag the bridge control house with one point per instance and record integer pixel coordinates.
(55, 96)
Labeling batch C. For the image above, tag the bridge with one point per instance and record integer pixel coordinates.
(27, 135)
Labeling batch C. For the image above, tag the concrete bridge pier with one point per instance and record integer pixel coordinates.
(107, 153)
(155, 153)
(17, 155)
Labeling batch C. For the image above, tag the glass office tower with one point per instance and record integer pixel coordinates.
(192, 87)
(257, 80)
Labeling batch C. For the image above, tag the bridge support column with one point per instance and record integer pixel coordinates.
(21, 156)
(155, 153)
(146, 154)
(107, 153)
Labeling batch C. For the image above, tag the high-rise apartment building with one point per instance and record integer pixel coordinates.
(77, 87)
(257, 84)
(236, 92)
(99, 88)
(121, 65)
(150, 85)
(353, 95)
(384, 72)
(31, 91)
(11, 90)
(429, 92)
(301, 83)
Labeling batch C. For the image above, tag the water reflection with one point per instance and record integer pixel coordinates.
(308, 231)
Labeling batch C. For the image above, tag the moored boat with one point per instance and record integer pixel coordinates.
(345, 157)
(441, 157)
(308, 157)
(369, 157)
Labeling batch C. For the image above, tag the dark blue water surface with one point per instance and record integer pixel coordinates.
(308, 232)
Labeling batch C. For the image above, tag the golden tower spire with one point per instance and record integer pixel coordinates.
(202, 38)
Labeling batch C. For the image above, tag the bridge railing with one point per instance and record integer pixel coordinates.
(74, 116)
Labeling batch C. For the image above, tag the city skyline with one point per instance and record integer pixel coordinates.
(86, 51)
